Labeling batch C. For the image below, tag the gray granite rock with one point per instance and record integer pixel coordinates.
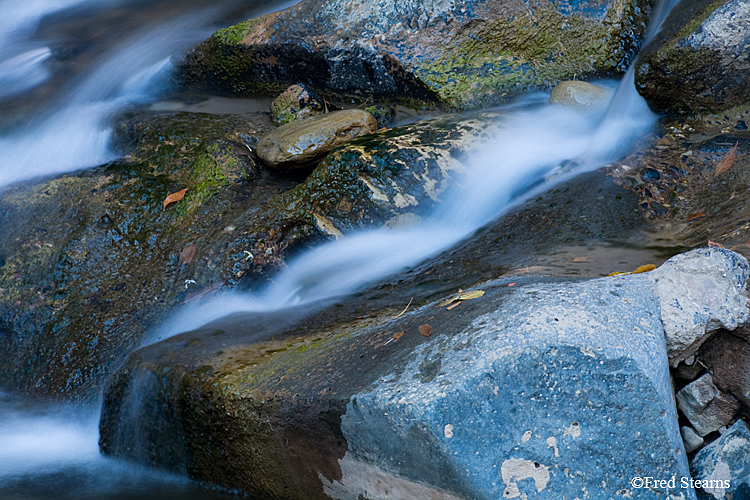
(707, 408)
(691, 439)
(722, 468)
(700, 292)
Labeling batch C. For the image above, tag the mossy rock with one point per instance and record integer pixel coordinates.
(465, 56)
(698, 63)
(90, 259)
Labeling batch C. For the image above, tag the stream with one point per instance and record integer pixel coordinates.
(68, 66)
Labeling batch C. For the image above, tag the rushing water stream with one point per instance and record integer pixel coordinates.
(66, 66)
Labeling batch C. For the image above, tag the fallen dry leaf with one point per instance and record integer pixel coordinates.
(474, 294)
(727, 160)
(398, 335)
(187, 254)
(511, 284)
(644, 269)
(455, 304)
(174, 197)
(425, 330)
(528, 270)
(584, 260)
(713, 244)
(640, 269)
(696, 216)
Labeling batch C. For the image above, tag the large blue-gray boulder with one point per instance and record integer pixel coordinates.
(543, 389)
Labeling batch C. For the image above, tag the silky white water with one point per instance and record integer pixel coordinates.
(53, 452)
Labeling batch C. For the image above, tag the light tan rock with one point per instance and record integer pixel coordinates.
(299, 143)
(579, 94)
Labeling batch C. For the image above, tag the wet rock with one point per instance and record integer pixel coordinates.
(479, 52)
(110, 227)
(91, 258)
(579, 94)
(699, 62)
(295, 103)
(723, 467)
(385, 179)
(698, 299)
(728, 359)
(371, 404)
(382, 114)
(298, 144)
(705, 406)
(691, 439)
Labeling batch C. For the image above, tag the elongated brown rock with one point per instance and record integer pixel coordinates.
(299, 143)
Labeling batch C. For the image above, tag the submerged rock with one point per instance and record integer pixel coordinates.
(467, 54)
(296, 103)
(699, 62)
(300, 143)
(543, 389)
(579, 94)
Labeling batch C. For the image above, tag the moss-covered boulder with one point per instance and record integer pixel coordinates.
(699, 62)
(91, 259)
(467, 54)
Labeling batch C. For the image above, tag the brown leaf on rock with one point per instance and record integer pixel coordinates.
(174, 197)
(398, 335)
(713, 244)
(187, 254)
(727, 160)
(583, 260)
(693, 217)
(425, 330)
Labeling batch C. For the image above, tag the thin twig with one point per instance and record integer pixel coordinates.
(405, 308)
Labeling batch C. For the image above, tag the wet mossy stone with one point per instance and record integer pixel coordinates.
(91, 258)
(300, 143)
(466, 55)
(296, 103)
(699, 63)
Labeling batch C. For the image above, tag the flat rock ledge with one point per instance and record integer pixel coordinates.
(534, 390)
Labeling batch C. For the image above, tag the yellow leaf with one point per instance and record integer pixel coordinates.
(174, 197)
(727, 160)
(644, 269)
(474, 294)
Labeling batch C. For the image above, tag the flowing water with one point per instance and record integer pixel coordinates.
(67, 66)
